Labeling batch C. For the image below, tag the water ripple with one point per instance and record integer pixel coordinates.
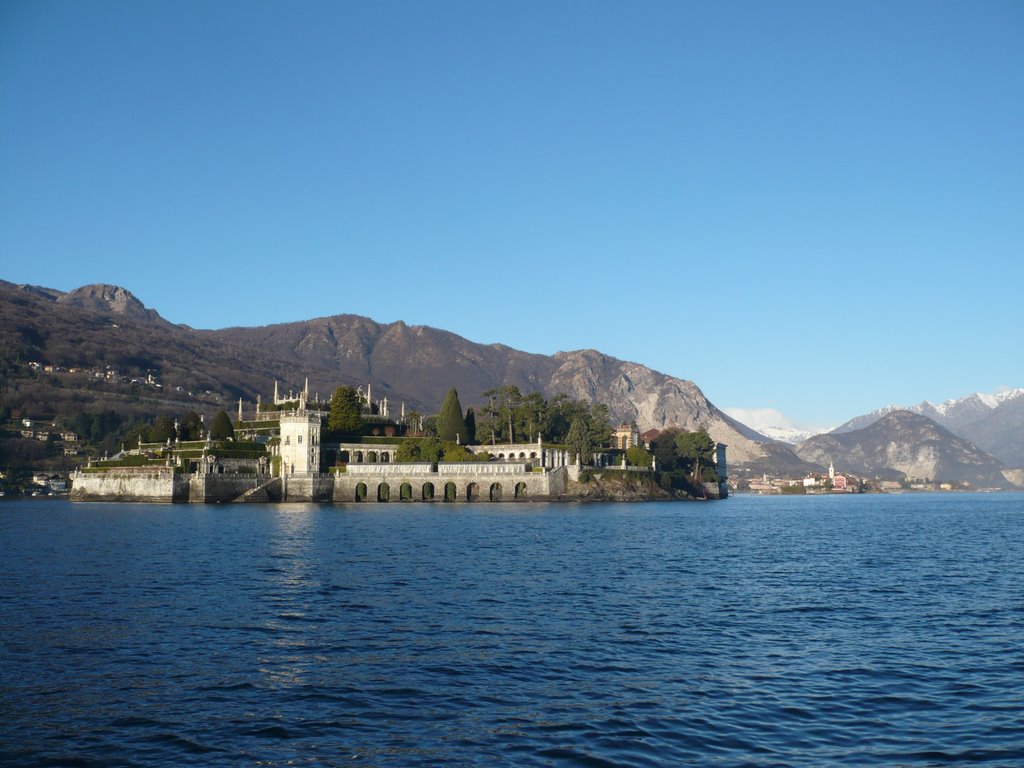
(757, 632)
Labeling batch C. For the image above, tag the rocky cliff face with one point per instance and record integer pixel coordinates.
(652, 399)
(418, 364)
(108, 299)
(902, 445)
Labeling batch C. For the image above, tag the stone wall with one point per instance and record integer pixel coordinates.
(451, 482)
(134, 484)
(161, 485)
(307, 488)
(388, 470)
(470, 468)
(372, 482)
(222, 487)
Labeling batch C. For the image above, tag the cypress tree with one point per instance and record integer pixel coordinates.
(345, 416)
(191, 427)
(470, 426)
(161, 431)
(579, 441)
(221, 427)
(450, 422)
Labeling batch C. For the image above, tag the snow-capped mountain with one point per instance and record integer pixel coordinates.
(992, 421)
(774, 424)
(904, 445)
(788, 435)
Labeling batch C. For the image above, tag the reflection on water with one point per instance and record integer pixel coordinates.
(751, 632)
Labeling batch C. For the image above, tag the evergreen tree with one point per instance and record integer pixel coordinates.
(221, 427)
(470, 427)
(578, 441)
(666, 450)
(191, 427)
(450, 422)
(161, 431)
(345, 416)
(697, 455)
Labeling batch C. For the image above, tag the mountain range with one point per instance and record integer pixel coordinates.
(993, 422)
(905, 445)
(105, 327)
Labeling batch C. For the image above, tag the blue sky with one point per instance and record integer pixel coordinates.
(811, 207)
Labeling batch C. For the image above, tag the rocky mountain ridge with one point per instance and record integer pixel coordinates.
(419, 364)
(994, 422)
(905, 445)
(106, 326)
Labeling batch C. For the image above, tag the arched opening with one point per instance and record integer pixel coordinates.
(343, 457)
(501, 456)
(359, 457)
(533, 454)
(428, 491)
(405, 492)
(361, 492)
(450, 492)
(522, 454)
(371, 457)
(520, 492)
(384, 457)
(495, 493)
(383, 492)
(472, 492)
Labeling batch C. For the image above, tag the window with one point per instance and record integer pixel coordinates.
(300, 439)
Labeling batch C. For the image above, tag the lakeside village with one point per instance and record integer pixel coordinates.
(352, 449)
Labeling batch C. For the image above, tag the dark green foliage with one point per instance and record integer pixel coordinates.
(638, 457)
(470, 427)
(221, 428)
(686, 460)
(94, 427)
(136, 435)
(511, 416)
(666, 451)
(161, 431)
(190, 427)
(697, 454)
(419, 449)
(451, 425)
(579, 441)
(345, 416)
(457, 452)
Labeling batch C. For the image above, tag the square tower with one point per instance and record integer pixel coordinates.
(300, 443)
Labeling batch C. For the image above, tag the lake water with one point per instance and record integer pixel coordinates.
(858, 630)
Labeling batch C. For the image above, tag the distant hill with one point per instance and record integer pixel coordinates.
(993, 422)
(905, 445)
(419, 364)
(101, 326)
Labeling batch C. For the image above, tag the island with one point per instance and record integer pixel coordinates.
(352, 449)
